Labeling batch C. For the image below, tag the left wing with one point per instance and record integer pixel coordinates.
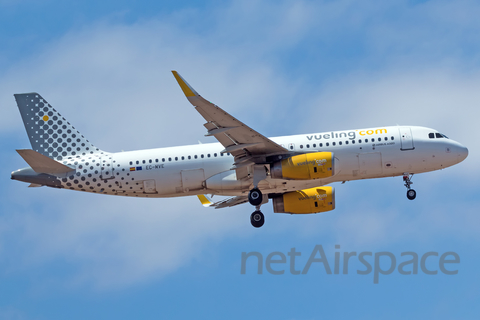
(229, 202)
(246, 145)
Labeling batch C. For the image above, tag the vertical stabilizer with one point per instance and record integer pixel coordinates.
(49, 133)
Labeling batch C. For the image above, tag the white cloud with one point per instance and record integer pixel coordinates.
(111, 242)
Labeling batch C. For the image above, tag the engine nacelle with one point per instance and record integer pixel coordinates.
(307, 166)
(226, 180)
(313, 200)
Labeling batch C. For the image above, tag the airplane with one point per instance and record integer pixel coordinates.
(293, 171)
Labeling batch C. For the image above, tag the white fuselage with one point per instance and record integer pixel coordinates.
(202, 168)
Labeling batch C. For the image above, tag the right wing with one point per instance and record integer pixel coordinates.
(245, 144)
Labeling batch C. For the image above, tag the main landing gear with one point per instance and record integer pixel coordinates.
(411, 194)
(257, 218)
(255, 198)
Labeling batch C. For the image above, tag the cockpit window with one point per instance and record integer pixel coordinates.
(444, 136)
(438, 135)
(431, 135)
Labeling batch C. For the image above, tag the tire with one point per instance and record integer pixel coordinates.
(257, 219)
(411, 194)
(255, 197)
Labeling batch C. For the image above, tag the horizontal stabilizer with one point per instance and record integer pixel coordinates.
(43, 164)
(34, 185)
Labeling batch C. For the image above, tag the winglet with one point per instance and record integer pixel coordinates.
(187, 89)
(206, 202)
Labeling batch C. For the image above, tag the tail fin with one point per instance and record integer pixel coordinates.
(49, 133)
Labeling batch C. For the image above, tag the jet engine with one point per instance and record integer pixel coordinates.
(307, 166)
(313, 200)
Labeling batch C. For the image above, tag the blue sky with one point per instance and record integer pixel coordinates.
(283, 67)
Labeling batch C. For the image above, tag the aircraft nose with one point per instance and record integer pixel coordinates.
(462, 153)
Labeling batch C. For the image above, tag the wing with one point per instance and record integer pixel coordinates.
(246, 145)
(229, 202)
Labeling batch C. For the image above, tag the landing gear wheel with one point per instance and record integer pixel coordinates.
(411, 194)
(255, 197)
(257, 219)
(407, 178)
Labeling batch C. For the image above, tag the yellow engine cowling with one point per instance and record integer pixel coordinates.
(307, 166)
(313, 200)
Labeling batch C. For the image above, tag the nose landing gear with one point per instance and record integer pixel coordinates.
(411, 194)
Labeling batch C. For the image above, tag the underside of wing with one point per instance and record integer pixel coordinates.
(229, 202)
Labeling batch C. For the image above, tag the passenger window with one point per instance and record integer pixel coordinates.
(214, 154)
(176, 158)
(143, 161)
(392, 138)
(196, 156)
(346, 142)
(208, 155)
(340, 142)
(366, 140)
(189, 157)
(314, 145)
(138, 162)
(333, 143)
(201, 156)
(353, 141)
(359, 140)
(379, 139)
(301, 146)
(169, 159)
(150, 161)
(431, 135)
(373, 140)
(386, 139)
(163, 159)
(183, 158)
(131, 162)
(321, 145)
(308, 146)
(327, 144)
(156, 160)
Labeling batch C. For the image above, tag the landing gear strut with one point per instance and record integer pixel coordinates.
(411, 194)
(255, 196)
(257, 218)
